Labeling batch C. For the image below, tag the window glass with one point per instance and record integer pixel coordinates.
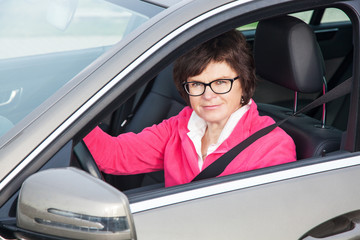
(45, 43)
(334, 15)
(305, 16)
(251, 26)
(31, 27)
(330, 15)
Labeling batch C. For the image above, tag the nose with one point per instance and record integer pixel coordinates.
(208, 93)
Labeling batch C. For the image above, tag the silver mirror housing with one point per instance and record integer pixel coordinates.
(70, 203)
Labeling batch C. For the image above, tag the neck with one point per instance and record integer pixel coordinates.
(213, 132)
(211, 136)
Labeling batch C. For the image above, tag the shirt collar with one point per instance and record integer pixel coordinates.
(197, 127)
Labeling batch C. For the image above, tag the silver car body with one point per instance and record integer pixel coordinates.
(282, 202)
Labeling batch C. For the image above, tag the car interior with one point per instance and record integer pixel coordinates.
(296, 62)
(297, 70)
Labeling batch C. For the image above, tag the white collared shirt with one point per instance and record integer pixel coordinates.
(197, 127)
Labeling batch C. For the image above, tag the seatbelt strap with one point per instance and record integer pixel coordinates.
(217, 167)
(129, 110)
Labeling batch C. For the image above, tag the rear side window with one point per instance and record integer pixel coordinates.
(330, 15)
(305, 16)
(334, 15)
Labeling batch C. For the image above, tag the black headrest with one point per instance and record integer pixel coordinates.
(287, 53)
(164, 85)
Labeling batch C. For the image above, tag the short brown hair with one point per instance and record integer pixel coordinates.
(230, 47)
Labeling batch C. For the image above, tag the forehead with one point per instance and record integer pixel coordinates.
(213, 71)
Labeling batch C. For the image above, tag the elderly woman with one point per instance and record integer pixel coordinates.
(217, 80)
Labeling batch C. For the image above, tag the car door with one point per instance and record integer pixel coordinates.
(284, 202)
(281, 202)
(282, 205)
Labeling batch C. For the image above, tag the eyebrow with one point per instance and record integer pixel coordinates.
(190, 79)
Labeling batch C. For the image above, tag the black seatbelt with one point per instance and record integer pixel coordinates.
(217, 167)
(123, 117)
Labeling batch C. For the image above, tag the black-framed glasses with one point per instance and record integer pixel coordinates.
(218, 86)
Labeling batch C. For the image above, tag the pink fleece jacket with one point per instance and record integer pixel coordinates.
(167, 147)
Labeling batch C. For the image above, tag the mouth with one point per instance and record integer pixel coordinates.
(211, 107)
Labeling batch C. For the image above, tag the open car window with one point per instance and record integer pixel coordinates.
(267, 93)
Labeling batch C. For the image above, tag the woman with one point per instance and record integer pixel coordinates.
(217, 80)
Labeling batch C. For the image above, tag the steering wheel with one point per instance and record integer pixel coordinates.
(86, 160)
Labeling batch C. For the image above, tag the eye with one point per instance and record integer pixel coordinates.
(221, 82)
(195, 84)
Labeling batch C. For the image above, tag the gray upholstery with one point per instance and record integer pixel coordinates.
(162, 102)
(287, 53)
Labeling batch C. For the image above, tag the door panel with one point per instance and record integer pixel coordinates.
(280, 210)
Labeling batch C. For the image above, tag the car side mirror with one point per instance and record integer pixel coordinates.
(70, 203)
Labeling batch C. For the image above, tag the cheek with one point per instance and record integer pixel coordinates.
(238, 93)
(192, 102)
(234, 102)
(235, 99)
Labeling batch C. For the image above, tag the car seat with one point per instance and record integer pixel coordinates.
(161, 101)
(287, 53)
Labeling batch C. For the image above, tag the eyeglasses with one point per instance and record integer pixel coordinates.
(218, 86)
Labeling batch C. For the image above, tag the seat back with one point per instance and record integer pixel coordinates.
(163, 101)
(286, 53)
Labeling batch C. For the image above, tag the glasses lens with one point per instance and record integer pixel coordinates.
(221, 85)
(194, 88)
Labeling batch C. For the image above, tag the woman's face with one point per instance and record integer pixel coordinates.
(216, 108)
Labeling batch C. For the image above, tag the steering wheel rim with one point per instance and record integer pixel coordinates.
(86, 160)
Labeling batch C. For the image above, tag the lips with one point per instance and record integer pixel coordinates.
(211, 107)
